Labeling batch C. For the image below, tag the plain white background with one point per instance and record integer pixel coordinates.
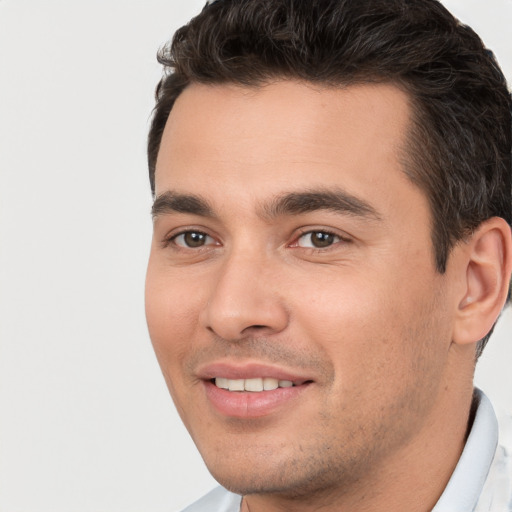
(86, 424)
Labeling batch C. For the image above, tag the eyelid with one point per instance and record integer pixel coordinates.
(171, 236)
(343, 237)
(204, 238)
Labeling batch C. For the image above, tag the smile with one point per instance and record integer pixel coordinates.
(253, 397)
(251, 389)
(254, 385)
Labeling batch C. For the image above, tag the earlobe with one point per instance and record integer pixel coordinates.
(487, 280)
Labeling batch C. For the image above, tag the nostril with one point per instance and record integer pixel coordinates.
(254, 329)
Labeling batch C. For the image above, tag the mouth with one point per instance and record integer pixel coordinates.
(251, 390)
(255, 385)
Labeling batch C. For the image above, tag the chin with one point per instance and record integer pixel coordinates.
(264, 473)
(244, 471)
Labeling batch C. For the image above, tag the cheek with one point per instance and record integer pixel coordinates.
(369, 326)
(171, 317)
(346, 309)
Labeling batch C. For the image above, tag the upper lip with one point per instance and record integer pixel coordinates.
(250, 370)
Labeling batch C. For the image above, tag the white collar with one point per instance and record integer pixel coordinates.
(465, 486)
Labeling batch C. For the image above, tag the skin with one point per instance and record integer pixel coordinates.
(367, 318)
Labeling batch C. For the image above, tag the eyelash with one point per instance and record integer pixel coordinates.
(324, 231)
(171, 239)
(295, 244)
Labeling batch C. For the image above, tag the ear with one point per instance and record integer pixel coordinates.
(488, 266)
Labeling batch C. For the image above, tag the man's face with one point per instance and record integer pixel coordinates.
(289, 247)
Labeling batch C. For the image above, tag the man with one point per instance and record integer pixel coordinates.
(331, 250)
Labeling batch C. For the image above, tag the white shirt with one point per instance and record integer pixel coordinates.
(481, 481)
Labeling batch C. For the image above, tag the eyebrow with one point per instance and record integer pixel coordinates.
(171, 202)
(337, 201)
(292, 203)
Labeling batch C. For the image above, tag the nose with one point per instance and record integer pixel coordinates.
(245, 300)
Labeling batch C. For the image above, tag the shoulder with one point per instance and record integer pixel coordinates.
(218, 500)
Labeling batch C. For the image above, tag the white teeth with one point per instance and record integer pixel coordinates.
(254, 385)
(221, 382)
(269, 383)
(236, 385)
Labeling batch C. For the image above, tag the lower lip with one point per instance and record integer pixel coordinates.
(246, 404)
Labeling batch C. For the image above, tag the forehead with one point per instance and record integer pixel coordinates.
(283, 135)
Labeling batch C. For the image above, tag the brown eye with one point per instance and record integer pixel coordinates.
(317, 239)
(192, 239)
